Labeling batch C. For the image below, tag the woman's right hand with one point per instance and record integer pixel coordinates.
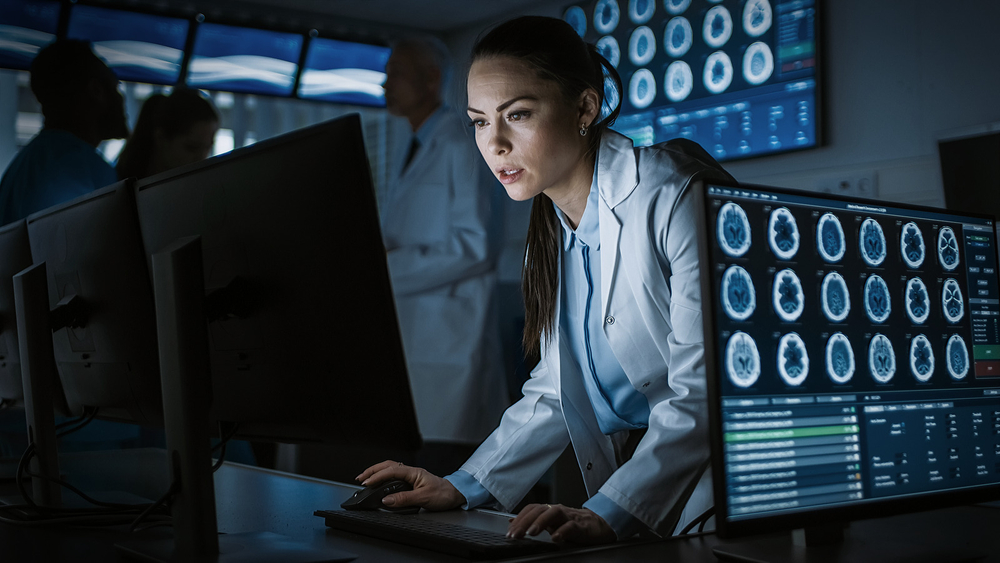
(429, 491)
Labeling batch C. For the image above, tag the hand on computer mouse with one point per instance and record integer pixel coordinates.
(429, 491)
(370, 498)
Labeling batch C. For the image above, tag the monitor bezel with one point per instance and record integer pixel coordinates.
(808, 517)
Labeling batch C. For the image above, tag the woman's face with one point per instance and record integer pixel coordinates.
(527, 130)
(193, 145)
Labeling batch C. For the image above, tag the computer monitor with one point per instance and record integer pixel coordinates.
(243, 59)
(25, 27)
(739, 77)
(304, 339)
(853, 356)
(107, 357)
(345, 72)
(15, 255)
(138, 47)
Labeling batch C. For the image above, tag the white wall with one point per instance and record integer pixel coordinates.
(898, 75)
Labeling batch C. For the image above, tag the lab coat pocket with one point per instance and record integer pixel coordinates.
(686, 323)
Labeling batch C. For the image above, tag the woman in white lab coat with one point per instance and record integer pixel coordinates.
(622, 373)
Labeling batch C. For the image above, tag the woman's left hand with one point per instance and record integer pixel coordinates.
(564, 524)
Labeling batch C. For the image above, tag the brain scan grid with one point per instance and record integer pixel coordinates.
(844, 338)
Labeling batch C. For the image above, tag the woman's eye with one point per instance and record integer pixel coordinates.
(517, 115)
(477, 123)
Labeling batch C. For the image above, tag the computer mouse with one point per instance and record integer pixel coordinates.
(370, 498)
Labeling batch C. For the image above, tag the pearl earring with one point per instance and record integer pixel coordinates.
(583, 131)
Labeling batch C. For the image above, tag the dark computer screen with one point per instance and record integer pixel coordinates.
(25, 27)
(15, 255)
(92, 249)
(345, 72)
(304, 342)
(242, 59)
(138, 47)
(737, 77)
(853, 356)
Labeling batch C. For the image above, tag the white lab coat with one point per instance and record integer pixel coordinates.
(652, 307)
(439, 232)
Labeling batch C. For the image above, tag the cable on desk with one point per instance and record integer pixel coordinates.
(699, 521)
(166, 498)
(221, 446)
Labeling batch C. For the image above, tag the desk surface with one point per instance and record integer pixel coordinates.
(251, 499)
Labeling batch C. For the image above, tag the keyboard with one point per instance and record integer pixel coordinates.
(433, 535)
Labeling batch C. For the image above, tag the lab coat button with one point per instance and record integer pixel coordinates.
(610, 320)
(589, 465)
(644, 385)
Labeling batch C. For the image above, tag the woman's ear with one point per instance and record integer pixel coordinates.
(589, 107)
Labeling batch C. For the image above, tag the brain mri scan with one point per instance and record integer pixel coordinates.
(608, 47)
(677, 37)
(642, 46)
(783, 233)
(678, 81)
(836, 300)
(881, 359)
(839, 359)
(871, 239)
(793, 360)
(958, 357)
(788, 297)
(877, 304)
(642, 88)
(718, 27)
(911, 244)
(742, 360)
(733, 230)
(918, 302)
(830, 238)
(758, 63)
(757, 17)
(606, 16)
(947, 249)
(739, 299)
(640, 11)
(577, 19)
(718, 74)
(951, 301)
(921, 358)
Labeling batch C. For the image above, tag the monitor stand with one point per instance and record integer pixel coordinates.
(834, 544)
(185, 373)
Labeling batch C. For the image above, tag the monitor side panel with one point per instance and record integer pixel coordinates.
(92, 248)
(305, 344)
(15, 255)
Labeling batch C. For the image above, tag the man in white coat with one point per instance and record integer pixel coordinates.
(439, 221)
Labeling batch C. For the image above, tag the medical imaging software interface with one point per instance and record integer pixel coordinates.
(857, 347)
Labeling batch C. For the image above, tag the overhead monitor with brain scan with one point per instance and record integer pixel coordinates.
(852, 353)
(739, 77)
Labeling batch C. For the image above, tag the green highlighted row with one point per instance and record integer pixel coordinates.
(791, 433)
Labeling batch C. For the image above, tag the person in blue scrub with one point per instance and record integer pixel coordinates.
(82, 106)
(440, 219)
(612, 301)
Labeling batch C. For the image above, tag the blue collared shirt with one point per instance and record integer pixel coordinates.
(616, 403)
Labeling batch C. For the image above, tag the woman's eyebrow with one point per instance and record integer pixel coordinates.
(504, 105)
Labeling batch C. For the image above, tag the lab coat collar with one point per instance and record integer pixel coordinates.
(617, 169)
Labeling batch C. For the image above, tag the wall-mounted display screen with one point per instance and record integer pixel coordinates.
(339, 71)
(736, 76)
(25, 27)
(138, 47)
(241, 59)
(854, 350)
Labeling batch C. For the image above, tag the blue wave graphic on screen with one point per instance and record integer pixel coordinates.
(243, 73)
(19, 45)
(347, 85)
(140, 61)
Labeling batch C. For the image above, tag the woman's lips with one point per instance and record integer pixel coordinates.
(509, 175)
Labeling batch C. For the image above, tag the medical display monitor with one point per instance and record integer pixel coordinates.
(736, 76)
(138, 47)
(344, 72)
(853, 356)
(25, 27)
(242, 59)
